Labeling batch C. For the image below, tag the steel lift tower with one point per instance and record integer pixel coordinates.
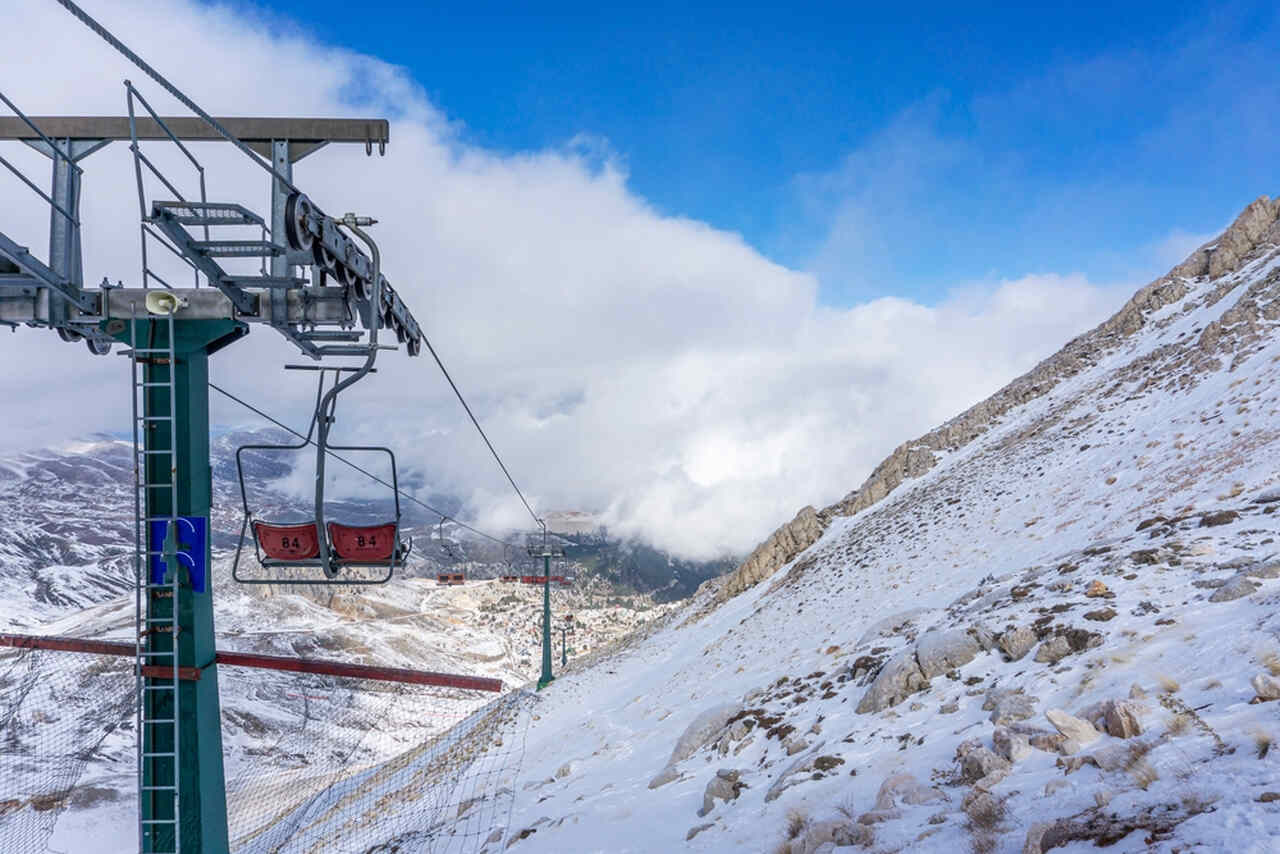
(313, 284)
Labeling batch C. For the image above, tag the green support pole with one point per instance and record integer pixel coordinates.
(547, 678)
(202, 786)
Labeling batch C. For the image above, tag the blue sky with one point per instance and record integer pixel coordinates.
(890, 152)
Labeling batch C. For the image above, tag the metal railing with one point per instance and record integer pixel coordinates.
(140, 160)
(54, 151)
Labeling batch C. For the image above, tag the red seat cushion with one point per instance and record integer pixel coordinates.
(363, 543)
(288, 542)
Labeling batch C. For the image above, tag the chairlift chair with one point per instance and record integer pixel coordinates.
(444, 541)
(332, 546)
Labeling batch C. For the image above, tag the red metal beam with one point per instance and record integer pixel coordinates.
(269, 662)
(68, 644)
(359, 671)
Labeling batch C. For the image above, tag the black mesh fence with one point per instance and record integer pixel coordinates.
(313, 763)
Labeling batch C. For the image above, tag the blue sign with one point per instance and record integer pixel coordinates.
(192, 536)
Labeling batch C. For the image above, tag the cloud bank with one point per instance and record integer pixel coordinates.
(651, 368)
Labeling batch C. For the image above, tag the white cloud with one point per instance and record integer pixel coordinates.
(649, 367)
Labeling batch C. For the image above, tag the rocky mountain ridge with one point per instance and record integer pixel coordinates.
(1253, 236)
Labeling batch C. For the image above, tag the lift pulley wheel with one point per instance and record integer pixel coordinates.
(297, 210)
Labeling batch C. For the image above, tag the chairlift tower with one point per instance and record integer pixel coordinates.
(540, 546)
(171, 332)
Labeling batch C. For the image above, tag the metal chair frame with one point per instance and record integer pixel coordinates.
(322, 419)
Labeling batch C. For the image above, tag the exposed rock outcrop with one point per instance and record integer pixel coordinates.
(783, 545)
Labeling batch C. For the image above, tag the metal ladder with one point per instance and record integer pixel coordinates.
(156, 671)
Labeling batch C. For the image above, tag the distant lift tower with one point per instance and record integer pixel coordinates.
(171, 332)
(541, 546)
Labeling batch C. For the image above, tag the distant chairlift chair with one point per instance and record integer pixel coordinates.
(342, 546)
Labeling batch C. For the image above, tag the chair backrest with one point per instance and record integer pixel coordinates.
(356, 543)
(288, 542)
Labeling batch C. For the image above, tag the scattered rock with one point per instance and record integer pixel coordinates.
(1122, 718)
(1143, 608)
(940, 651)
(980, 806)
(1011, 746)
(698, 828)
(984, 637)
(1078, 733)
(1221, 517)
(564, 771)
(1017, 642)
(893, 785)
(826, 763)
(907, 788)
(854, 834)
(866, 667)
(665, 776)
(1268, 797)
(794, 745)
(802, 765)
(1101, 615)
(1096, 589)
(1053, 650)
(1048, 742)
(1270, 570)
(725, 786)
(899, 678)
(1035, 837)
(1013, 707)
(981, 763)
(1236, 587)
(948, 708)
(1266, 687)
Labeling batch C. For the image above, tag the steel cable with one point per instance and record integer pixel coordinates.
(365, 472)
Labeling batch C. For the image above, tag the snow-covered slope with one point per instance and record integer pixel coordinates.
(1042, 626)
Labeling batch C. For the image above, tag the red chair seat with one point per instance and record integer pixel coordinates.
(355, 543)
(288, 542)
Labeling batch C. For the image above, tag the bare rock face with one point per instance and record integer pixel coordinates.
(783, 545)
(900, 677)
(1016, 643)
(938, 652)
(1256, 224)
